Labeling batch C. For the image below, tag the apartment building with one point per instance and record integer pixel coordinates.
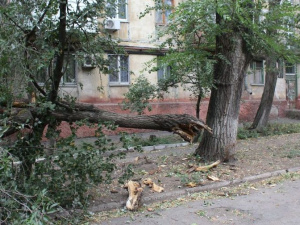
(137, 36)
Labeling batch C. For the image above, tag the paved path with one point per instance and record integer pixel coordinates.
(277, 205)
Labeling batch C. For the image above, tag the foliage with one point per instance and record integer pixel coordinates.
(139, 94)
(270, 130)
(156, 140)
(38, 40)
(61, 179)
(18, 207)
(190, 38)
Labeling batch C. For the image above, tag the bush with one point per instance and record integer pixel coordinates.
(57, 180)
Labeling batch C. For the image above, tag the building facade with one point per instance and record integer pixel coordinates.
(136, 35)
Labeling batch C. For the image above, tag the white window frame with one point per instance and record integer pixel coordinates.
(62, 83)
(49, 71)
(117, 12)
(163, 72)
(119, 82)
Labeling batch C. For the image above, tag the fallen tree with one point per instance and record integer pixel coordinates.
(184, 125)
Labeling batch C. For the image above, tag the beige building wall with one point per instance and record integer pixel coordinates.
(138, 33)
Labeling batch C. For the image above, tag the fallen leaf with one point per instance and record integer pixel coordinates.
(191, 184)
(163, 166)
(213, 178)
(136, 159)
(113, 191)
(150, 209)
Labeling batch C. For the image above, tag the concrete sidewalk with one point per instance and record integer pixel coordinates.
(272, 205)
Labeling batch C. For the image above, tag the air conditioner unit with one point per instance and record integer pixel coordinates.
(89, 62)
(112, 24)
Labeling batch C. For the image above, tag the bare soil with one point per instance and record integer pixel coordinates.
(169, 167)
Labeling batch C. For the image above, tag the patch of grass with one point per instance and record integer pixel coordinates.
(201, 213)
(197, 177)
(293, 153)
(155, 140)
(269, 130)
(245, 133)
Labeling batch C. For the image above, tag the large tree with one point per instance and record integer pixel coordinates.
(229, 33)
(275, 62)
(250, 31)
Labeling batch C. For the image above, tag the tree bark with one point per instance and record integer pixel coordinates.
(265, 106)
(184, 125)
(224, 104)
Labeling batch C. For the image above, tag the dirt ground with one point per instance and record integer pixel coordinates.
(169, 167)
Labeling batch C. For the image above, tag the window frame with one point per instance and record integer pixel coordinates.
(119, 82)
(117, 17)
(253, 72)
(290, 76)
(164, 70)
(62, 83)
(163, 14)
(49, 72)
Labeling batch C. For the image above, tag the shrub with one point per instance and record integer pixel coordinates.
(57, 180)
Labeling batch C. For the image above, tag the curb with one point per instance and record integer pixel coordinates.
(187, 191)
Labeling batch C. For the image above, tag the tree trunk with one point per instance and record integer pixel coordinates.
(224, 104)
(184, 125)
(198, 106)
(265, 106)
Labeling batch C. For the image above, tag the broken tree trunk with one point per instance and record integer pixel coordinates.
(135, 194)
(184, 125)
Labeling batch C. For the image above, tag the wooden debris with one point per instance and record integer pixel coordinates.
(203, 168)
(152, 185)
(135, 194)
(213, 178)
(191, 184)
(113, 191)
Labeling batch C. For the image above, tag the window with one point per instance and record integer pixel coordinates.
(162, 15)
(118, 10)
(257, 72)
(290, 69)
(280, 66)
(163, 72)
(69, 72)
(119, 73)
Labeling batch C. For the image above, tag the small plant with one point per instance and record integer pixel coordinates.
(269, 130)
(201, 213)
(293, 153)
(244, 133)
(155, 140)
